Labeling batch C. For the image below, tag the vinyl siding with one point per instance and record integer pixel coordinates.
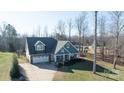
(71, 48)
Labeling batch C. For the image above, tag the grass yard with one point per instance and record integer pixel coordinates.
(83, 71)
(5, 65)
(22, 59)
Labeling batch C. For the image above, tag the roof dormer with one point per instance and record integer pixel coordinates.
(39, 46)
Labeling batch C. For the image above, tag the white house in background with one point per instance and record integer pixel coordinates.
(45, 49)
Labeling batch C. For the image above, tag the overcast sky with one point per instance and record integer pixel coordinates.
(26, 22)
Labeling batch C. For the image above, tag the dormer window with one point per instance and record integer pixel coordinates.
(39, 46)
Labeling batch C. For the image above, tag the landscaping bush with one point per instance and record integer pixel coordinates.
(72, 62)
(14, 71)
(68, 63)
(76, 60)
(58, 65)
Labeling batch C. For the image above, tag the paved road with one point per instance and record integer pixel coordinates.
(43, 71)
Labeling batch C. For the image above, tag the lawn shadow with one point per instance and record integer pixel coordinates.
(85, 65)
(23, 73)
(22, 76)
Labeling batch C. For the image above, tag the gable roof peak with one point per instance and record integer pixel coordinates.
(60, 44)
(49, 42)
(38, 43)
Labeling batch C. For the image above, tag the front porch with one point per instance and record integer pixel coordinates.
(64, 57)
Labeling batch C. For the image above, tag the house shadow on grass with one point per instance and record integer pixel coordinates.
(46, 65)
(85, 65)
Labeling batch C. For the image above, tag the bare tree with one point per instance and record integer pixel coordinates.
(102, 26)
(121, 40)
(95, 46)
(116, 27)
(33, 33)
(70, 26)
(38, 32)
(60, 30)
(46, 31)
(8, 37)
(81, 24)
(3, 41)
(54, 34)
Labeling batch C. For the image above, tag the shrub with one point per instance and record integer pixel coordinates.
(76, 60)
(14, 71)
(72, 62)
(69, 63)
(58, 64)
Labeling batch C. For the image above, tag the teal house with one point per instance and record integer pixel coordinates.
(65, 51)
(45, 49)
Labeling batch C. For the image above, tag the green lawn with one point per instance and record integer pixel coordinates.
(83, 71)
(5, 65)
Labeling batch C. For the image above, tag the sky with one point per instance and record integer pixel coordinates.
(27, 22)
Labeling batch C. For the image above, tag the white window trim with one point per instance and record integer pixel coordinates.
(66, 50)
(38, 43)
(42, 44)
(41, 48)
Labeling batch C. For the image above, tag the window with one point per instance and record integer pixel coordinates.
(66, 57)
(59, 58)
(73, 56)
(62, 50)
(40, 47)
(67, 45)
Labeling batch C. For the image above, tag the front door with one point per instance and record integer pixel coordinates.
(66, 57)
(59, 58)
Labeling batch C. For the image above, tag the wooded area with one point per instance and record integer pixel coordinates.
(110, 34)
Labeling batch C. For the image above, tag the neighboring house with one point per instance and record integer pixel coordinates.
(45, 49)
(84, 48)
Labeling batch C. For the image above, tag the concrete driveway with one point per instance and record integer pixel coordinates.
(36, 72)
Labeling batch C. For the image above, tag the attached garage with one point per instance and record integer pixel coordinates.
(40, 59)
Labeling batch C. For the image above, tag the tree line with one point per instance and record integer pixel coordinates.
(110, 33)
(10, 40)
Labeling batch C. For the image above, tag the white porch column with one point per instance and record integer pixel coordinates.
(69, 56)
(63, 57)
(55, 58)
(78, 55)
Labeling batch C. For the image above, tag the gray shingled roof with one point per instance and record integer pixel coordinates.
(60, 44)
(49, 42)
(51, 45)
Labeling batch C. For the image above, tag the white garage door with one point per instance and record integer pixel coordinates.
(40, 59)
